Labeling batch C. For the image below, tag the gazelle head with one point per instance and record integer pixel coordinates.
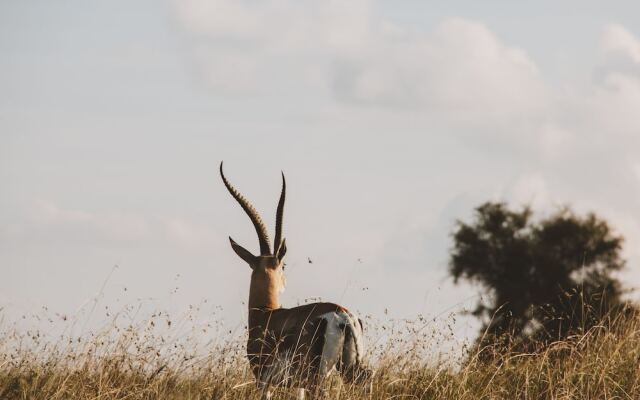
(267, 277)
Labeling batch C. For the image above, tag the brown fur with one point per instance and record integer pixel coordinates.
(267, 280)
(274, 330)
(299, 331)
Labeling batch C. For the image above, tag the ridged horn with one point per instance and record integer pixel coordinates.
(261, 230)
(279, 214)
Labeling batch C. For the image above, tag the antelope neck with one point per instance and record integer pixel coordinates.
(263, 293)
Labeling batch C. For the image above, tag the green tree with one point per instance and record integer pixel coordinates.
(545, 279)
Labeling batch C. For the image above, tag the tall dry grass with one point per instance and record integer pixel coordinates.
(139, 361)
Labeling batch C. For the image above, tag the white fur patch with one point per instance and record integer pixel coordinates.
(334, 338)
(356, 328)
(283, 283)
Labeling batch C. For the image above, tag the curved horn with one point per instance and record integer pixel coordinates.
(261, 230)
(279, 214)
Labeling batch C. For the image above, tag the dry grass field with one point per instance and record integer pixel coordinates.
(135, 361)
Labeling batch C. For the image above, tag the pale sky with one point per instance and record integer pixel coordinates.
(390, 120)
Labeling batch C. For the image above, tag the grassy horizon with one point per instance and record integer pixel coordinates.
(135, 361)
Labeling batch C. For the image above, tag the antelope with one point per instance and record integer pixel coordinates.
(297, 346)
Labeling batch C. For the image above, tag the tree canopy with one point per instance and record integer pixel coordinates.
(545, 278)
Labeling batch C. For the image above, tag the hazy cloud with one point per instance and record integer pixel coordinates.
(617, 39)
(389, 124)
(458, 74)
(48, 224)
(461, 68)
(531, 190)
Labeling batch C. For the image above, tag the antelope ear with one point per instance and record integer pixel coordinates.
(243, 253)
(282, 250)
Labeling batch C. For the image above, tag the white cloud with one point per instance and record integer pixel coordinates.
(458, 76)
(191, 235)
(46, 222)
(459, 73)
(617, 39)
(433, 113)
(532, 190)
(615, 105)
(279, 25)
(555, 141)
(45, 214)
(249, 46)
(236, 73)
(461, 68)
(635, 167)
